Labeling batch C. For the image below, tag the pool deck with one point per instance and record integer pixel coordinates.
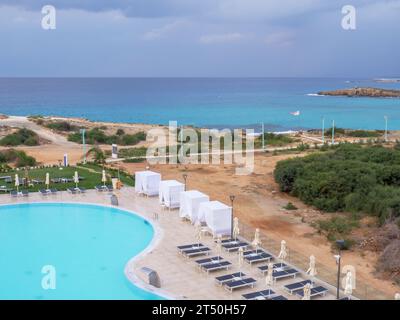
(180, 278)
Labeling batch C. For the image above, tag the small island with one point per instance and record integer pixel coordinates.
(363, 92)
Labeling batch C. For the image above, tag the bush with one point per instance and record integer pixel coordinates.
(364, 134)
(21, 137)
(348, 178)
(18, 158)
(62, 126)
(272, 139)
(97, 136)
(290, 206)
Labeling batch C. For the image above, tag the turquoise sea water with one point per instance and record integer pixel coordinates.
(215, 102)
(88, 246)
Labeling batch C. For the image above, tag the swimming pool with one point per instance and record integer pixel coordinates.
(87, 246)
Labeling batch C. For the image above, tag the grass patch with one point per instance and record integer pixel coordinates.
(90, 172)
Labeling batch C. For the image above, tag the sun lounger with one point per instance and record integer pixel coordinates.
(53, 191)
(234, 245)
(190, 246)
(81, 190)
(255, 257)
(110, 188)
(44, 192)
(259, 295)
(229, 277)
(73, 190)
(14, 193)
(100, 188)
(215, 266)
(208, 260)
(196, 252)
(25, 193)
(296, 286)
(317, 291)
(276, 275)
(277, 266)
(278, 298)
(237, 284)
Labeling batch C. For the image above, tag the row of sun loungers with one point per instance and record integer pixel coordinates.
(240, 280)
(23, 193)
(267, 294)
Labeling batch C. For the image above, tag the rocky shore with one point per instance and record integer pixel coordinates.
(363, 92)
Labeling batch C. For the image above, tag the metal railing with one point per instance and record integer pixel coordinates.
(325, 274)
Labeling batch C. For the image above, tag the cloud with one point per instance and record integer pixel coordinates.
(221, 38)
(280, 38)
(157, 33)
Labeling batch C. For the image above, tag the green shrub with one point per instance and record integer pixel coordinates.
(290, 206)
(98, 136)
(348, 178)
(21, 137)
(18, 158)
(62, 126)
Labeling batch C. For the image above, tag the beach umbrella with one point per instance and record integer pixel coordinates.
(397, 296)
(198, 231)
(47, 180)
(236, 229)
(17, 182)
(283, 252)
(103, 177)
(348, 289)
(312, 270)
(307, 292)
(76, 179)
(269, 280)
(257, 241)
(241, 258)
(219, 246)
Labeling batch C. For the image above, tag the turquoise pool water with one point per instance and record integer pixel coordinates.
(88, 245)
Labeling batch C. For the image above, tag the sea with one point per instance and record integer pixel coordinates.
(204, 102)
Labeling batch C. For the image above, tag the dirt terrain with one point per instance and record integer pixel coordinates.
(258, 201)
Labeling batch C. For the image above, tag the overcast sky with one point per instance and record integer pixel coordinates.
(217, 38)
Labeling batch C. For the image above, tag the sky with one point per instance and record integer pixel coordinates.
(200, 38)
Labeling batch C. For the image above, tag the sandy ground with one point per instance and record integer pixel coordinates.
(258, 201)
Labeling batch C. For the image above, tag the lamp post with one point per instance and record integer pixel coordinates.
(232, 198)
(83, 131)
(323, 130)
(185, 178)
(338, 257)
(333, 132)
(386, 128)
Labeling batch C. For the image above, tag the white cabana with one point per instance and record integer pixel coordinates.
(189, 204)
(147, 182)
(217, 216)
(170, 191)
